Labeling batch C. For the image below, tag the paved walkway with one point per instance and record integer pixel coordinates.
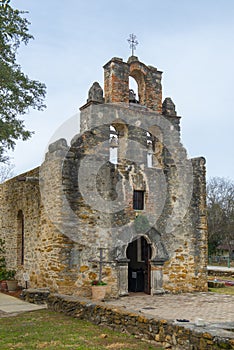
(209, 307)
(11, 305)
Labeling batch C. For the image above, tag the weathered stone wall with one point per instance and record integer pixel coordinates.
(181, 264)
(186, 269)
(47, 252)
(169, 334)
(63, 231)
(15, 196)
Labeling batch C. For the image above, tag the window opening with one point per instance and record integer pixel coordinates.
(138, 200)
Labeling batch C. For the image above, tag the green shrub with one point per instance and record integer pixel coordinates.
(2, 255)
(4, 273)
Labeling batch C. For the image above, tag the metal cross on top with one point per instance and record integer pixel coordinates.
(132, 42)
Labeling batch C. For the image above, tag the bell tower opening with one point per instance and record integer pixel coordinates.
(114, 144)
(133, 90)
(145, 81)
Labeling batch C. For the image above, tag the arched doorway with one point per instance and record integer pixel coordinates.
(139, 254)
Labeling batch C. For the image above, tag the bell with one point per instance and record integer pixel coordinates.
(114, 142)
(150, 148)
(132, 96)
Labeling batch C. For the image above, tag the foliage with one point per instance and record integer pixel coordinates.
(4, 273)
(6, 171)
(224, 290)
(220, 205)
(2, 255)
(51, 330)
(98, 283)
(10, 275)
(7, 275)
(2, 261)
(17, 91)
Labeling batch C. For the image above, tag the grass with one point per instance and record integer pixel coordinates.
(224, 290)
(49, 330)
(224, 278)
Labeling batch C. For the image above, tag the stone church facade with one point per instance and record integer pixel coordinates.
(123, 192)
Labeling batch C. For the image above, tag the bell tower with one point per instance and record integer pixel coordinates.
(148, 78)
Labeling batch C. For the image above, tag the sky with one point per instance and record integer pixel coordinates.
(191, 41)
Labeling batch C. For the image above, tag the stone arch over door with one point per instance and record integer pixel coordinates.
(160, 255)
(157, 259)
(160, 252)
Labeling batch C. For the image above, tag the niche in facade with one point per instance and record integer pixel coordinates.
(20, 238)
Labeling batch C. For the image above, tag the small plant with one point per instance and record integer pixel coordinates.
(3, 274)
(3, 271)
(2, 255)
(10, 275)
(98, 283)
(7, 275)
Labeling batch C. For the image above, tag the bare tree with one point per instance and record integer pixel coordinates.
(220, 203)
(6, 171)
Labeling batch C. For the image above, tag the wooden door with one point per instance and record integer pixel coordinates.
(146, 253)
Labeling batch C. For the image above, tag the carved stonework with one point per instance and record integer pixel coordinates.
(123, 277)
(156, 278)
(95, 93)
(168, 107)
